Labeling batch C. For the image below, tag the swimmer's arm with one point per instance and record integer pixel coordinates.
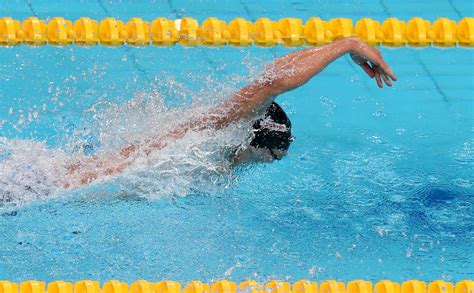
(294, 70)
(85, 170)
(284, 74)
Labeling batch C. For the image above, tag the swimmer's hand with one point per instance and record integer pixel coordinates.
(371, 61)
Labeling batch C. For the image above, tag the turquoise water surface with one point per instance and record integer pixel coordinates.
(377, 185)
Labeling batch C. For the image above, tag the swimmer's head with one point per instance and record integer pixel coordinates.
(271, 137)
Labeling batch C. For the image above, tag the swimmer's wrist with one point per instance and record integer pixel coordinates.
(355, 45)
(352, 44)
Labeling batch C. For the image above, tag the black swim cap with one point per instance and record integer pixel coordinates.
(273, 132)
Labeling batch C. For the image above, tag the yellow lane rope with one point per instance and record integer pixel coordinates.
(224, 286)
(416, 32)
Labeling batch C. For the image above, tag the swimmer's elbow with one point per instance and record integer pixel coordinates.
(265, 88)
(247, 102)
(283, 84)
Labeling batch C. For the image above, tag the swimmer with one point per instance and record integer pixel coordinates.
(271, 135)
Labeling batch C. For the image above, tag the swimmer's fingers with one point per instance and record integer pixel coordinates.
(384, 75)
(377, 78)
(386, 78)
(365, 52)
(369, 70)
(377, 60)
(362, 62)
(377, 72)
(386, 69)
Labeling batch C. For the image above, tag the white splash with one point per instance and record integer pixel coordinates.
(197, 163)
(29, 171)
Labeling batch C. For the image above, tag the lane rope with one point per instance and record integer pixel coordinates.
(292, 32)
(224, 286)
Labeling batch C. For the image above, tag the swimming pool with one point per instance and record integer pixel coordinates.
(378, 183)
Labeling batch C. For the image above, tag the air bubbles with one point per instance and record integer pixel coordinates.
(329, 104)
(50, 87)
(380, 231)
(400, 131)
(21, 120)
(355, 78)
(379, 111)
(376, 139)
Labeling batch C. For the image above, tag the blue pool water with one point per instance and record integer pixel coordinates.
(378, 183)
